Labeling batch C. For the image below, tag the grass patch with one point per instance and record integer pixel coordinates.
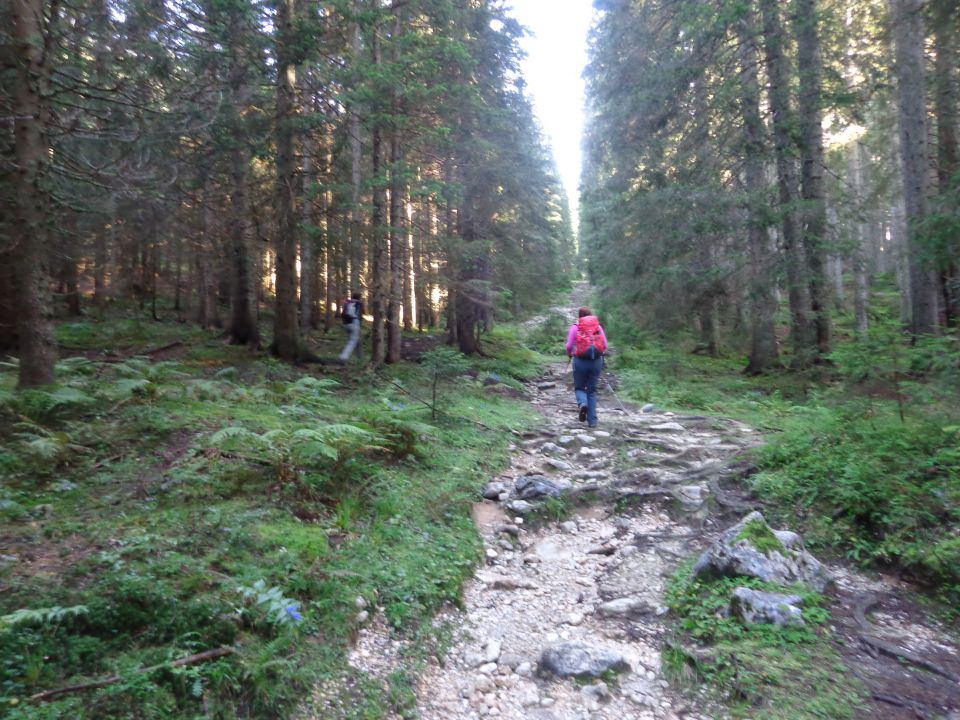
(228, 500)
(758, 671)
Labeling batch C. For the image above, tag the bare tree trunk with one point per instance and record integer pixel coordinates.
(811, 172)
(355, 254)
(243, 329)
(286, 333)
(763, 340)
(861, 287)
(798, 289)
(71, 278)
(407, 265)
(397, 241)
(308, 255)
(28, 230)
(908, 31)
(946, 28)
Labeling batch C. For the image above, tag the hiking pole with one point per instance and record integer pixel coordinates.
(616, 397)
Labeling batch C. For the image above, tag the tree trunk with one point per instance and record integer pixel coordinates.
(407, 265)
(861, 297)
(397, 241)
(286, 333)
(243, 329)
(763, 340)
(946, 27)
(28, 230)
(811, 169)
(380, 249)
(355, 250)
(777, 65)
(908, 31)
(308, 255)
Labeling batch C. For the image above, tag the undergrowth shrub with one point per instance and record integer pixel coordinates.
(886, 491)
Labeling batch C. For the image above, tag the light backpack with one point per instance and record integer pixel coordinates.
(591, 342)
(350, 311)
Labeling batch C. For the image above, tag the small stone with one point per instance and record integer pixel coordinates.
(492, 554)
(602, 434)
(362, 617)
(648, 408)
(569, 527)
(521, 507)
(510, 660)
(494, 490)
(565, 439)
(360, 602)
(668, 427)
(529, 698)
(623, 607)
(524, 669)
(590, 452)
(574, 619)
(557, 464)
(550, 448)
(546, 702)
(488, 668)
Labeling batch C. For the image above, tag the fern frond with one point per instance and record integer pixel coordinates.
(234, 436)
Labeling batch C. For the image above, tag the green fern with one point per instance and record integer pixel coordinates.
(41, 616)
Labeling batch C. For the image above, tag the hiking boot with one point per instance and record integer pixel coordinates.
(583, 413)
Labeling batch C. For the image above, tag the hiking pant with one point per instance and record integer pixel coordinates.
(586, 375)
(353, 341)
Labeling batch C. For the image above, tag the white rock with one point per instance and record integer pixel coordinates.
(574, 618)
(524, 669)
(529, 698)
(488, 669)
(492, 554)
(568, 527)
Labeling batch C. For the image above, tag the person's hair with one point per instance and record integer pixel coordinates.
(583, 312)
(356, 296)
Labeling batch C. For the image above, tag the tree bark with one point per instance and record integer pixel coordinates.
(861, 287)
(29, 232)
(397, 240)
(812, 161)
(308, 254)
(908, 31)
(243, 329)
(380, 249)
(763, 340)
(946, 27)
(286, 333)
(802, 340)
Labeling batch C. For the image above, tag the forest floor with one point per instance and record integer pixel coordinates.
(604, 569)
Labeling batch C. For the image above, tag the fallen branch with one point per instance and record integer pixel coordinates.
(113, 679)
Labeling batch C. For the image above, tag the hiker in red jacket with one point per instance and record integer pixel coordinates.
(586, 344)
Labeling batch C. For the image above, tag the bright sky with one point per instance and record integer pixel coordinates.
(556, 56)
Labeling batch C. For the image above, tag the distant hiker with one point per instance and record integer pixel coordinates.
(352, 313)
(586, 344)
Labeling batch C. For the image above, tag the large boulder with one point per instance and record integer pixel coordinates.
(756, 606)
(579, 660)
(752, 549)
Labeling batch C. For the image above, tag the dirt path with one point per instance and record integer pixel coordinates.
(649, 492)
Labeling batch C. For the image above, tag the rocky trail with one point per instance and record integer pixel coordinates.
(584, 596)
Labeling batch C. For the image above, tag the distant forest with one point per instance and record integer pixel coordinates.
(247, 164)
(754, 170)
